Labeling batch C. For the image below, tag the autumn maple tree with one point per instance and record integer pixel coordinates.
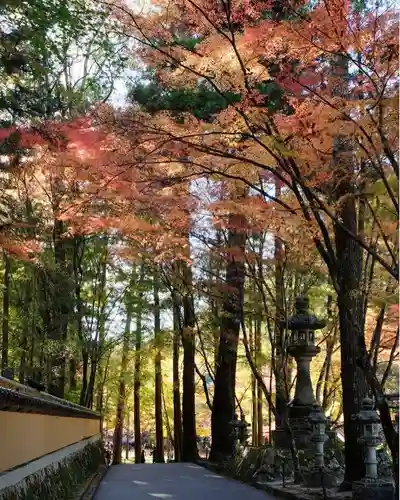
(254, 160)
(317, 111)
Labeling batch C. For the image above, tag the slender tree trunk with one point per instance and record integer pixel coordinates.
(6, 311)
(77, 257)
(137, 382)
(170, 437)
(127, 431)
(104, 405)
(260, 396)
(254, 419)
(32, 329)
(94, 357)
(330, 347)
(175, 375)
(189, 444)
(72, 374)
(280, 369)
(224, 387)
(215, 302)
(102, 328)
(158, 373)
(61, 304)
(119, 420)
(98, 342)
(254, 415)
(25, 334)
(271, 376)
(85, 369)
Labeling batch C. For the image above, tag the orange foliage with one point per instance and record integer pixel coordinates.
(337, 68)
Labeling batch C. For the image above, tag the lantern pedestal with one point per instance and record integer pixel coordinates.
(303, 402)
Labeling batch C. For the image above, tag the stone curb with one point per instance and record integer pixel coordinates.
(280, 492)
(92, 485)
(275, 492)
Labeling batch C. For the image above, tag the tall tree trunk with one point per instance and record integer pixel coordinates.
(260, 395)
(271, 375)
(85, 370)
(61, 304)
(102, 328)
(215, 301)
(119, 420)
(280, 358)
(254, 418)
(26, 325)
(224, 387)
(351, 311)
(137, 380)
(77, 257)
(158, 373)
(73, 384)
(175, 376)
(189, 444)
(94, 357)
(170, 437)
(98, 341)
(6, 311)
(127, 431)
(351, 321)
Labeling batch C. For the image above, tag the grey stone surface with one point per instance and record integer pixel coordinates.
(172, 482)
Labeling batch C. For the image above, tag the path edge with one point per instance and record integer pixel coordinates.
(90, 489)
(270, 490)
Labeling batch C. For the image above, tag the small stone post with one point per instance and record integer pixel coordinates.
(243, 432)
(371, 487)
(318, 422)
(313, 478)
(235, 425)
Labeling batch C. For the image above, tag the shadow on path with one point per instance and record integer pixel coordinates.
(171, 481)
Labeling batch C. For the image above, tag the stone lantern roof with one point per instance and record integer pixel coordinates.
(302, 319)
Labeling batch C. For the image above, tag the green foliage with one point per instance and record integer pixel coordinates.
(56, 57)
(202, 102)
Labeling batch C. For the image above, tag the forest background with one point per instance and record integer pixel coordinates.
(153, 245)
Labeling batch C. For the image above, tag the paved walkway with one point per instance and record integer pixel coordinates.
(171, 481)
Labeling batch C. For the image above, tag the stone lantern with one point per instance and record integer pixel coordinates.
(318, 437)
(235, 425)
(243, 432)
(302, 347)
(371, 486)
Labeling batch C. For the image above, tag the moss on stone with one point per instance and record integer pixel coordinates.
(61, 480)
